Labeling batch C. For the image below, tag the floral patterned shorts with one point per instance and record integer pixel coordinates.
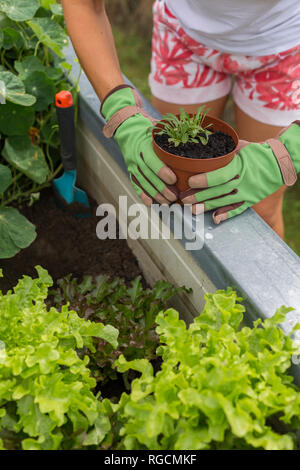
(183, 71)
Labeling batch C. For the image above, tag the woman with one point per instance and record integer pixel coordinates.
(197, 47)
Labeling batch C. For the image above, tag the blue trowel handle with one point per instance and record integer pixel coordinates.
(65, 117)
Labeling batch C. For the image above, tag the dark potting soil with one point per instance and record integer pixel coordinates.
(218, 144)
(67, 244)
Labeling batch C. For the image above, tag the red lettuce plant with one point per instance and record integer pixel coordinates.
(132, 310)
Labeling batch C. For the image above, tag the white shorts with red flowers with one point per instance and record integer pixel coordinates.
(183, 71)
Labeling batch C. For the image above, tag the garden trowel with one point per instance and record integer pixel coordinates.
(65, 186)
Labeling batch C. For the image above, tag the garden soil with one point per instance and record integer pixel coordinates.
(67, 244)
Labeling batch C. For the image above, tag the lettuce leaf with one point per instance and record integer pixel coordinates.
(46, 390)
(221, 385)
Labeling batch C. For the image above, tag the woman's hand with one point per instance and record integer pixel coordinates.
(131, 125)
(257, 170)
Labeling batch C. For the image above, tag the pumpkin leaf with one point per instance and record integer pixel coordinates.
(56, 9)
(15, 90)
(11, 38)
(50, 34)
(20, 10)
(16, 232)
(42, 87)
(20, 152)
(5, 178)
(15, 119)
(28, 65)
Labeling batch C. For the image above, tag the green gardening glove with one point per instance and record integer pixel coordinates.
(257, 170)
(129, 124)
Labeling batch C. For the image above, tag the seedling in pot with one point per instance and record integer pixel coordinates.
(190, 144)
(186, 128)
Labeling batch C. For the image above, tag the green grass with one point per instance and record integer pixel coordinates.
(134, 52)
(291, 214)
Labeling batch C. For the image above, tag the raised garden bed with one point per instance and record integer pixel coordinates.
(68, 244)
(243, 252)
(218, 384)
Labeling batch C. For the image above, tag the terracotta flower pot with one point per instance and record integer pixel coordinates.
(185, 167)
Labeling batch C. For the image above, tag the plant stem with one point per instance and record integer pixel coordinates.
(3, 56)
(36, 48)
(15, 179)
(46, 55)
(35, 189)
(125, 380)
(47, 148)
(23, 30)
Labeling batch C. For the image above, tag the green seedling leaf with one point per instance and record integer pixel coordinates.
(19, 10)
(50, 34)
(5, 178)
(15, 90)
(39, 85)
(185, 128)
(34, 197)
(16, 232)
(20, 152)
(15, 119)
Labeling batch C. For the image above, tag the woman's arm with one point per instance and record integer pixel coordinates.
(91, 35)
(92, 38)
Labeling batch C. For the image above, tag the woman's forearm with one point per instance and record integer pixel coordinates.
(91, 36)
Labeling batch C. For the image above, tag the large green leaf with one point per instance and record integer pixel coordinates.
(49, 132)
(28, 65)
(16, 232)
(15, 90)
(5, 178)
(34, 64)
(15, 119)
(50, 34)
(20, 152)
(19, 10)
(12, 38)
(47, 3)
(1, 38)
(54, 73)
(42, 87)
(56, 9)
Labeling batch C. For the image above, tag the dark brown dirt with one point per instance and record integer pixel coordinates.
(218, 144)
(67, 244)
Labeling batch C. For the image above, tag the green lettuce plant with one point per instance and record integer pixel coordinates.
(220, 386)
(46, 390)
(132, 310)
(185, 128)
(32, 37)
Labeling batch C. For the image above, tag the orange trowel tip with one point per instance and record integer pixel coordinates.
(64, 99)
